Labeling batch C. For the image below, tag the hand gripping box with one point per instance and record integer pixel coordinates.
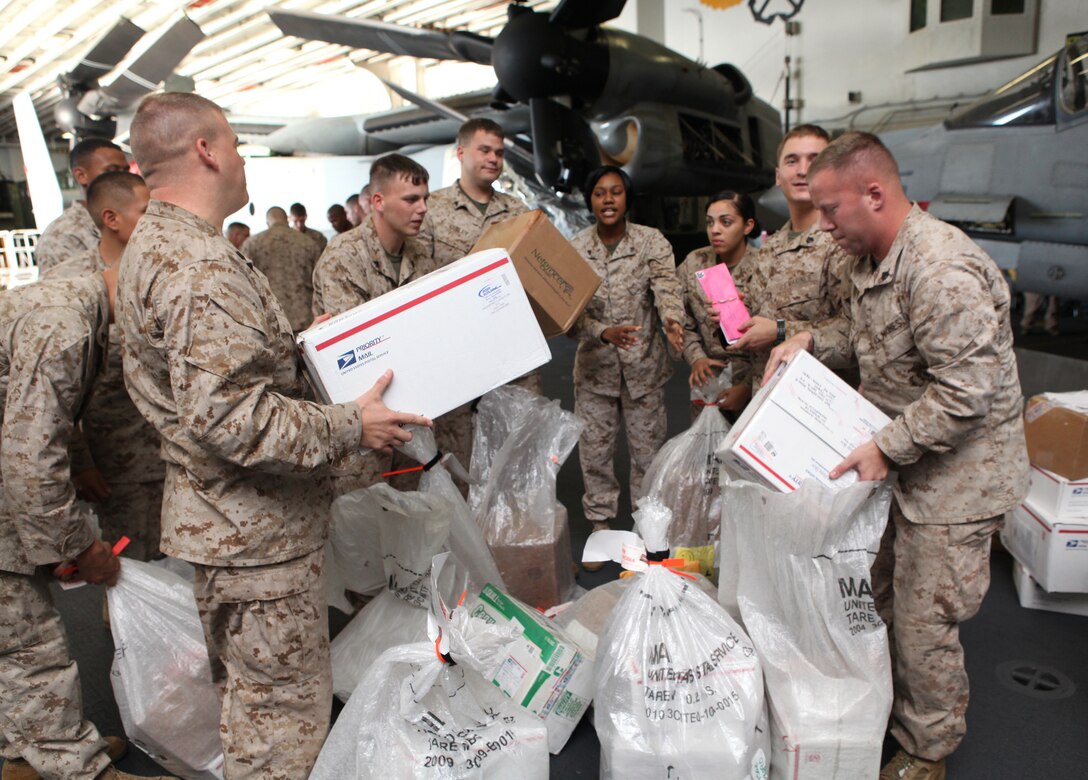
(801, 425)
(1055, 551)
(449, 336)
(558, 281)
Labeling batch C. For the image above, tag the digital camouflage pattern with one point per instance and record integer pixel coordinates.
(40, 696)
(801, 279)
(287, 258)
(120, 443)
(269, 647)
(454, 224)
(646, 424)
(638, 287)
(927, 579)
(52, 346)
(316, 236)
(210, 361)
(353, 270)
(930, 328)
(71, 234)
(702, 339)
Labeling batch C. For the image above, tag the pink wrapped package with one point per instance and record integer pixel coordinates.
(717, 283)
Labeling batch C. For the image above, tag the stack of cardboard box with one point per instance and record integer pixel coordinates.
(1048, 532)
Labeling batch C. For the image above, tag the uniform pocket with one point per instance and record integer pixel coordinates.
(277, 632)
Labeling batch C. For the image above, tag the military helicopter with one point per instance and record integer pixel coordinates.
(1010, 170)
(592, 95)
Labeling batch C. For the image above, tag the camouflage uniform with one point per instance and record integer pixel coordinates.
(451, 228)
(638, 287)
(120, 443)
(210, 360)
(702, 339)
(317, 237)
(930, 327)
(353, 270)
(52, 344)
(70, 234)
(800, 279)
(287, 258)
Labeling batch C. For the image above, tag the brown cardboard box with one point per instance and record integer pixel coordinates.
(1057, 438)
(539, 572)
(557, 280)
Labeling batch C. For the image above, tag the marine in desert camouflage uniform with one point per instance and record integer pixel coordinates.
(298, 222)
(730, 219)
(74, 232)
(377, 257)
(124, 475)
(52, 346)
(929, 323)
(210, 360)
(456, 218)
(621, 365)
(287, 258)
(799, 274)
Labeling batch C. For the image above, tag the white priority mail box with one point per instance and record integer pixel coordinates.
(1034, 597)
(449, 336)
(1061, 497)
(801, 425)
(1054, 550)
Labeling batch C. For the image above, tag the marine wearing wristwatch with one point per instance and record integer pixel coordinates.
(781, 336)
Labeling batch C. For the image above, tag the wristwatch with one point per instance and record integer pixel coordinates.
(781, 336)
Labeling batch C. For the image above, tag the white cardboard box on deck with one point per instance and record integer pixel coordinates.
(449, 336)
(1054, 550)
(1032, 596)
(1061, 497)
(800, 426)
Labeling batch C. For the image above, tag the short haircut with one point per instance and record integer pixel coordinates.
(237, 226)
(854, 152)
(81, 152)
(351, 199)
(334, 207)
(744, 204)
(599, 173)
(365, 192)
(469, 129)
(298, 210)
(275, 214)
(165, 126)
(111, 190)
(396, 166)
(801, 131)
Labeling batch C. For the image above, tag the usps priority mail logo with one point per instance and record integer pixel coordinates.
(345, 360)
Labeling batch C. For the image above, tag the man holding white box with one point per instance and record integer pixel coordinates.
(366, 262)
(210, 361)
(929, 323)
